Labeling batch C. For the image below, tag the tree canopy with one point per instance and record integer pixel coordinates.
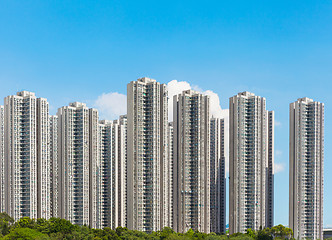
(56, 229)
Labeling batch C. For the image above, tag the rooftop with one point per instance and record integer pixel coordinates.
(146, 80)
(247, 94)
(305, 99)
(190, 92)
(77, 104)
(26, 94)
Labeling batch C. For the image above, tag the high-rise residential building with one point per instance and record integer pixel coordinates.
(104, 173)
(27, 161)
(217, 176)
(77, 160)
(43, 160)
(147, 112)
(191, 119)
(2, 160)
(93, 159)
(111, 168)
(170, 147)
(270, 172)
(249, 162)
(167, 169)
(119, 211)
(54, 188)
(306, 161)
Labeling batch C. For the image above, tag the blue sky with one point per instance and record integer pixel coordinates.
(77, 50)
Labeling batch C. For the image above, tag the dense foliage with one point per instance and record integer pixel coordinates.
(56, 228)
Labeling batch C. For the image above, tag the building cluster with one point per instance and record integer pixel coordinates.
(145, 172)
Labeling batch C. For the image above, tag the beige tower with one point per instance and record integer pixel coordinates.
(169, 190)
(119, 210)
(270, 172)
(249, 152)
(54, 165)
(147, 112)
(77, 159)
(2, 159)
(217, 176)
(27, 161)
(111, 168)
(191, 119)
(104, 175)
(306, 164)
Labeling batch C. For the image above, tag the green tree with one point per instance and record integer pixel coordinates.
(57, 225)
(281, 231)
(240, 236)
(166, 233)
(199, 235)
(5, 223)
(264, 234)
(26, 233)
(120, 230)
(106, 233)
(25, 222)
(190, 233)
(6, 217)
(251, 233)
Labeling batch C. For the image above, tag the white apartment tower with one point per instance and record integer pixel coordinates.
(27, 160)
(2, 159)
(170, 147)
(104, 175)
(77, 159)
(306, 161)
(43, 160)
(147, 109)
(217, 176)
(191, 119)
(119, 211)
(249, 162)
(93, 160)
(111, 168)
(54, 187)
(270, 172)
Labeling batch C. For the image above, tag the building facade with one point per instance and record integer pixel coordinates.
(54, 188)
(77, 159)
(217, 176)
(43, 160)
(93, 159)
(249, 162)
(112, 173)
(306, 163)
(191, 119)
(147, 112)
(2, 159)
(26, 156)
(104, 175)
(120, 166)
(270, 172)
(170, 190)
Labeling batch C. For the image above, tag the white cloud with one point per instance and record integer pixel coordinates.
(277, 123)
(278, 153)
(175, 87)
(111, 105)
(279, 167)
